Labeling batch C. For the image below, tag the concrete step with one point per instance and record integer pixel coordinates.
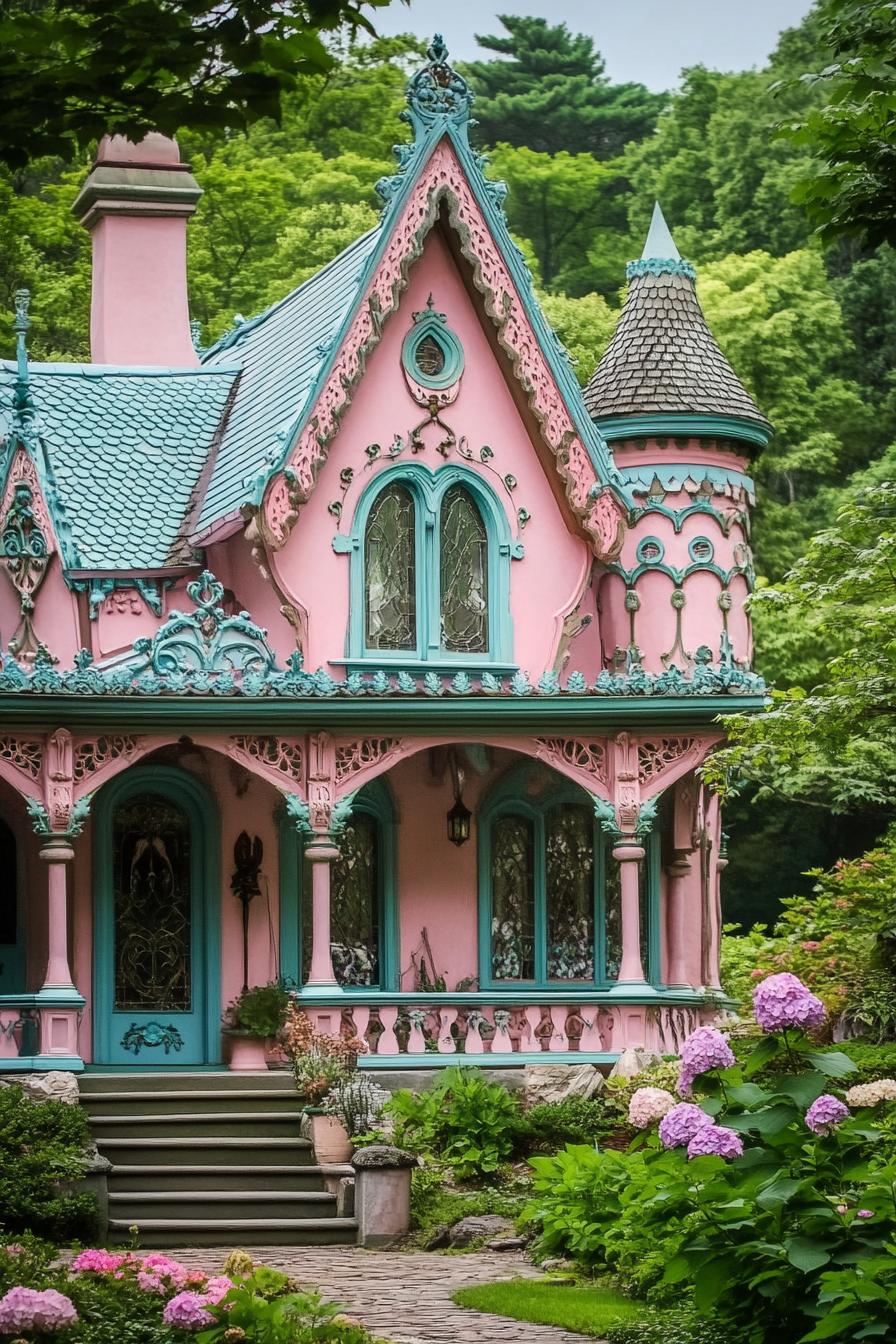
(191, 1101)
(136, 1206)
(178, 1080)
(128, 1177)
(245, 1125)
(166, 1232)
(220, 1151)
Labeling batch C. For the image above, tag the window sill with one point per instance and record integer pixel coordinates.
(439, 665)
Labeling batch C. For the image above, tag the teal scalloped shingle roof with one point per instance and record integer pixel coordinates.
(127, 449)
(280, 353)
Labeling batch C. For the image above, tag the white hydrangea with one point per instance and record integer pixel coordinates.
(871, 1094)
(647, 1105)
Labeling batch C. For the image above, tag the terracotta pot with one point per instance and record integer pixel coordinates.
(330, 1139)
(248, 1054)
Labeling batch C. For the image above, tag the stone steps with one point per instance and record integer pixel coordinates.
(230, 1232)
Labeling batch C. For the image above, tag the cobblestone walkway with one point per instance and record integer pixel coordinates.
(404, 1297)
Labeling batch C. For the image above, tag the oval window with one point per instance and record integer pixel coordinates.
(650, 551)
(701, 549)
(429, 357)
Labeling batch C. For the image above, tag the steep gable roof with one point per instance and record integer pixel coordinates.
(124, 450)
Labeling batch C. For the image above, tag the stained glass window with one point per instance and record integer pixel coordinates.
(9, 915)
(429, 357)
(153, 906)
(355, 905)
(569, 883)
(464, 574)
(390, 570)
(513, 899)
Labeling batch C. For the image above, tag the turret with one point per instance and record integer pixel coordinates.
(682, 428)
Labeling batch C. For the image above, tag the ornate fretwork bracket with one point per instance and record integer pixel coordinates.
(657, 753)
(207, 642)
(25, 545)
(356, 757)
(93, 753)
(279, 757)
(586, 756)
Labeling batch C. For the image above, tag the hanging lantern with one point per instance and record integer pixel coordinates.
(459, 822)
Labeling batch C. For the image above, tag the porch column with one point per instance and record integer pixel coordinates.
(321, 853)
(629, 854)
(677, 917)
(56, 853)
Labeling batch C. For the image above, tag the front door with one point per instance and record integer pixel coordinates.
(152, 995)
(12, 943)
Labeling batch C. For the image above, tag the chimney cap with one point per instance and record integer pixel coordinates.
(155, 150)
(143, 180)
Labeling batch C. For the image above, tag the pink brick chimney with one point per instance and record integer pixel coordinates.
(135, 204)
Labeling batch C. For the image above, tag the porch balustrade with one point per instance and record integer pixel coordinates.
(512, 1028)
(37, 1031)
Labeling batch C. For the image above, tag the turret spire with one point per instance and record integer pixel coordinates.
(659, 243)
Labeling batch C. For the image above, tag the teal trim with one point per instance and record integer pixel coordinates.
(660, 266)
(428, 490)
(673, 425)
(643, 547)
(508, 798)
(429, 323)
(205, 849)
(436, 1060)
(649, 995)
(704, 545)
(42, 1064)
(653, 867)
(672, 476)
(290, 868)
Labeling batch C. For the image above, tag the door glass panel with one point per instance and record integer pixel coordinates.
(354, 905)
(613, 914)
(513, 900)
(9, 913)
(152, 906)
(569, 877)
(390, 572)
(464, 574)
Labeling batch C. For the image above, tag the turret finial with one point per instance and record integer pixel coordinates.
(21, 326)
(437, 91)
(659, 243)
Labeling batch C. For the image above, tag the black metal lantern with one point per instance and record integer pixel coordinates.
(459, 822)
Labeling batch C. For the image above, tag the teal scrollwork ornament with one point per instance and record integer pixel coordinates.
(25, 552)
(151, 1035)
(208, 641)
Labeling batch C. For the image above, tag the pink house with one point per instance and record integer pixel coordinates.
(369, 625)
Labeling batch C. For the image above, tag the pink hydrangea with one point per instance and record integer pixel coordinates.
(783, 1001)
(217, 1288)
(705, 1049)
(33, 1309)
(159, 1274)
(825, 1113)
(715, 1141)
(188, 1311)
(647, 1105)
(679, 1125)
(97, 1262)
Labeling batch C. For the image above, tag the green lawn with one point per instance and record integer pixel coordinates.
(588, 1310)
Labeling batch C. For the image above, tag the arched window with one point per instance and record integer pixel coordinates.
(430, 571)
(391, 571)
(463, 545)
(549, 889)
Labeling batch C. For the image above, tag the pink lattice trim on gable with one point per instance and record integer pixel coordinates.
(444, 180)
(23, 471)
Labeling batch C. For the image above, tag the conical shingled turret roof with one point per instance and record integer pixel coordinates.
(663, 359)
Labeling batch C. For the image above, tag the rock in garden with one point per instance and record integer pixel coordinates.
(440, 1238)
(632, 1062)
(507, 1244)
(481, 1227)
(52, 1086)
(555, 1082)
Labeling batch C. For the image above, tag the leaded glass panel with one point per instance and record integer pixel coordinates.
(153, 906)
(513, 899)
(354, 905)
(390, 571)
(464, 574)
(429, 357)
(569, 879)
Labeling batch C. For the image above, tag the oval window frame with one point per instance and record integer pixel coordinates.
(433, 325)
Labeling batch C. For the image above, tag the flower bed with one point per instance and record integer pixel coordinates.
(123, 1297)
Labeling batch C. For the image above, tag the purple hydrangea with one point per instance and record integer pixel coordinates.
(705, 1049)
(32, 1309)
(188, 1311)
(825, 1113)
(715, 1141)
(679, 1125)
(783, 1001)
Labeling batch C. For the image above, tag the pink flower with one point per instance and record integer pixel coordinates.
(784, 1001)
(33, 1309)
(715, 1141)
(843, 1208)
(217, 1288)
(648, 1104)
(865, 1213)
(705, 1049)
(159, 1274)
(97, 1262)
(825, 1113)
(188, 1311)
(756, 975)
(679, 1125)
(810, 946)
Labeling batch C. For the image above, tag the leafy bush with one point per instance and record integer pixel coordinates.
(258, 1011)
(292, 1318)
(551, 1124)
(468, 1123)
(42, 1144)
(792, 1241)
(435, 1204)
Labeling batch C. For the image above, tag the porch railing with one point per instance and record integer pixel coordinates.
(39, 1031)
(435, 1029)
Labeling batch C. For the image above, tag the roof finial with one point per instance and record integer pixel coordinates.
(196, 334)
(659, 243)
(437, 92)
(21, 325)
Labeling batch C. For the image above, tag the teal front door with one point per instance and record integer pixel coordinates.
(12, 943)
(155, 988)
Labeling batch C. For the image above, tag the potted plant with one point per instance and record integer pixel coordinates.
(319, 1063)
(251, 1020)
(356, 1103)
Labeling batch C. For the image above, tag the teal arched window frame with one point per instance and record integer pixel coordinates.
(427, 490)
(183, 789)
(433, 325)
(373, 800)
(509, 798)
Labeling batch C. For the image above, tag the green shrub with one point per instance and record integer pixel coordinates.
(551, 1124)
(435, 1204)
(462, 1120)
(293, 1318)
(42, 1144)
(258, 1011)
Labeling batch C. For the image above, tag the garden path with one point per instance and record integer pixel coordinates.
(404, 1296)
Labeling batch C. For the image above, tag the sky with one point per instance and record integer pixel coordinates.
(646, 40)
